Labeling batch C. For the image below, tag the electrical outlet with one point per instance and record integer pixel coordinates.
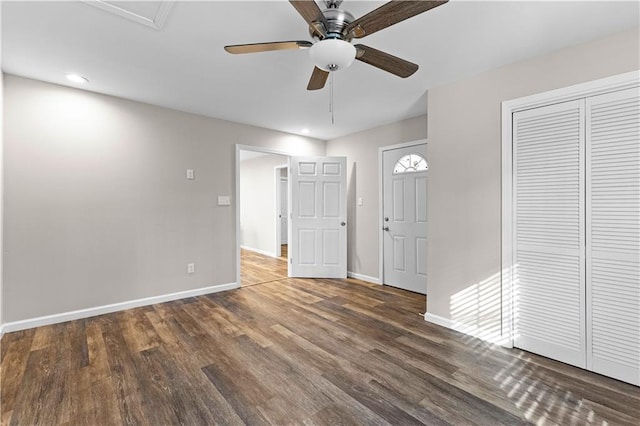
(191, 268)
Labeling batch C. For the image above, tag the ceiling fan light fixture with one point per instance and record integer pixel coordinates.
(332, 54)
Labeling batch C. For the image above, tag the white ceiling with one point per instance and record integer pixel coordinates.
(183, 66)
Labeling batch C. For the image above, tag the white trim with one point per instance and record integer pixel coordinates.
(464, 328)
(362, 277)
(106, 309)
(157, 22)
(380, 199)
(236, 190)
(289, 221)
(259, 251)
(437, 319)
(578, 91)
(277, 249)
(591, 88)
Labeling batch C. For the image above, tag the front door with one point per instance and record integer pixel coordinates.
(405, 218)
(318, 229)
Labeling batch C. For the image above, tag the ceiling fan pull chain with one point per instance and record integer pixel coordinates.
(331, 100)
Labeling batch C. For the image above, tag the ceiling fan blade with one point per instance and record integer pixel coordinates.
(311, 13)
(385, 61)
(266, 47)
(318, 79)
(387, 15)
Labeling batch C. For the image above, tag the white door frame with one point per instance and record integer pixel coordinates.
(597, 87)
(278, 190)
(237, 193)
(381, 150)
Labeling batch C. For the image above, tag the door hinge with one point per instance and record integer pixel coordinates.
(291, 260)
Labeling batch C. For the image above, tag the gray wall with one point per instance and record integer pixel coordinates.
(258, 202)
(1, 174)
(465, 165)
(361, 150)
(97, 206)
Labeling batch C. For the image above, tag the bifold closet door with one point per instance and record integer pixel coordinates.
(613, 234)
(549, 234)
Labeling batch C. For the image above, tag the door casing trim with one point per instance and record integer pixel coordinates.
(278, 190)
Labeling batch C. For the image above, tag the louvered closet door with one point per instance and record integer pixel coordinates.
(613, 234)
(549, 260)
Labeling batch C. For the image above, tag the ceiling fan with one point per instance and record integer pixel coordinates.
(333, 29)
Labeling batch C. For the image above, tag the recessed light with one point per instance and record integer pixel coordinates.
(77, 78)
(305, 131)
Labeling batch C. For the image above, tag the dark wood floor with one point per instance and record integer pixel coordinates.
(291, 351)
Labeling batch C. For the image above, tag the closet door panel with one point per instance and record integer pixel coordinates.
(613, 234)
(549, 259)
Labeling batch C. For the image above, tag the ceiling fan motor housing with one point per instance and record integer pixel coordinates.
(337, 20)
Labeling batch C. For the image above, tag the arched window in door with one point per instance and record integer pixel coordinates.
(410, 163)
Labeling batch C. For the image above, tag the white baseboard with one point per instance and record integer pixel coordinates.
(106, 309)
(470, 330)
(266, 253)
(363, 277)
(442, 321)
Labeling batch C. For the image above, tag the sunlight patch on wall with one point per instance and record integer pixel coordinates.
(477, 309)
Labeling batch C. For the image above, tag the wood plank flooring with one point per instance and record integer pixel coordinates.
(256, 268)
(290, 351)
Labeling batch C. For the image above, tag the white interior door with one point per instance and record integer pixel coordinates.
(318, 231)
(549, 238)
(284, 206)
(613, 234)
(405, 218)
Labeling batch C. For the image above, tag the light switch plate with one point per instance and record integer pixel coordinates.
(224, 200)
(360, 201)
(190, 174)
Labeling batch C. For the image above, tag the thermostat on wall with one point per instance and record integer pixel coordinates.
(224, 200)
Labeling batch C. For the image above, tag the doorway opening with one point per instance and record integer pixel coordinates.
(258, 210)
(316, 197)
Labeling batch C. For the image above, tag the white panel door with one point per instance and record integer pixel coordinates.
(549, 234)
(405, 218)
(613, 234)
(318, 231)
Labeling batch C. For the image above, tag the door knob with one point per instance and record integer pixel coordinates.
(386, 219)
(342, 223)
(385, 228)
